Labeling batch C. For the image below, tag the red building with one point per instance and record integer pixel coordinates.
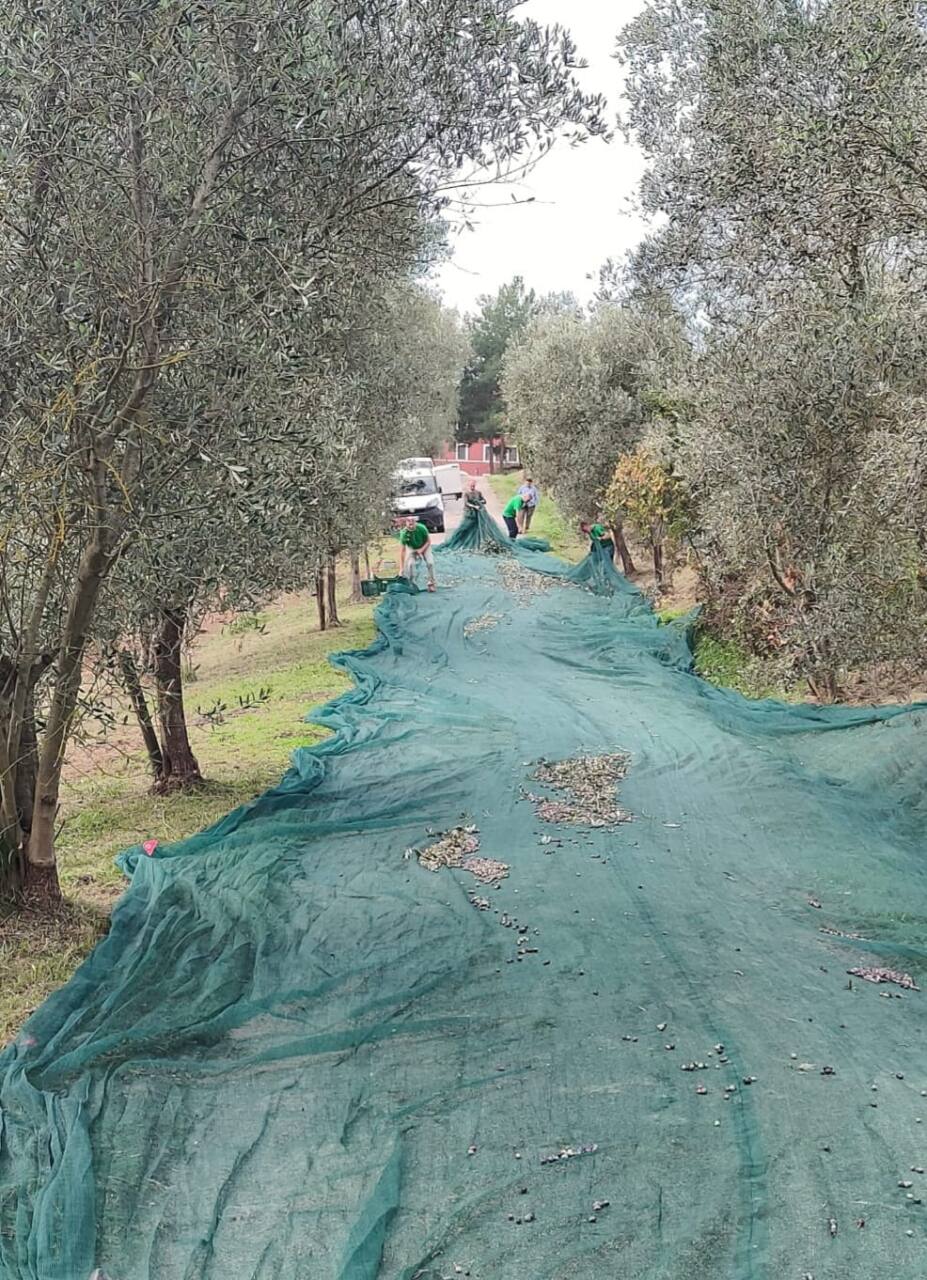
(477, 459)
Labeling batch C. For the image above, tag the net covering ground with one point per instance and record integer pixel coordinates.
(300, 1054)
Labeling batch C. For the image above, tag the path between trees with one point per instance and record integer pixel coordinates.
(622, 1041)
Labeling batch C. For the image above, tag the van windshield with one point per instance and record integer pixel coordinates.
(416, 486)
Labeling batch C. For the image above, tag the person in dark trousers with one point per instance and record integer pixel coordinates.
(510, 514)
(600, 535)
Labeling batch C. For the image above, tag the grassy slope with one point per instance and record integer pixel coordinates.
(107, 806)
(727, 664)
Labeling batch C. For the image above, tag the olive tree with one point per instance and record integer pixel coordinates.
(174, 178)
(802, 460)
(580, 391)
(784, 164)
(781, 138)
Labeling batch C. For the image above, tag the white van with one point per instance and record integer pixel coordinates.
(416, 493)
(450, 480)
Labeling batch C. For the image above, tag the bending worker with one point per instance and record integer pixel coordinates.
(511, 514)
(601, 536)
(415, 544)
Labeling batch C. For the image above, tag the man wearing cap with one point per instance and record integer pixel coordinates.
(529, 493)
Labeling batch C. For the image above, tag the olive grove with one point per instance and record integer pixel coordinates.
(583, 390)
(783, 153)
(788, 194)
(199, 202)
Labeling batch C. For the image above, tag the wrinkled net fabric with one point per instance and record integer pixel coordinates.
(478, 531)
(301, 1054)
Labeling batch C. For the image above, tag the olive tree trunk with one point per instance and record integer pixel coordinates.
(621, 546)
(320, 599)
(179, 767)
(133, 687)
(356, 593)
(41, 874)
(331, 584)
(20, 774)
(657, 534)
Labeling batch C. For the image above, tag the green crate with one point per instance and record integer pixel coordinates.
(375, 586)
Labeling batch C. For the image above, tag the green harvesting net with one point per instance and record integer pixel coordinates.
(537, 969)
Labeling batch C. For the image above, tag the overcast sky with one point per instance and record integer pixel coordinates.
(579, 217)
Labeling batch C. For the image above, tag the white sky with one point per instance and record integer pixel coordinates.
(580, 216)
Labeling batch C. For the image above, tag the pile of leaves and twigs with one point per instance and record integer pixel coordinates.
(524, 584)
(457, 848)
(587, 785)
(871, 973)
(485, 622)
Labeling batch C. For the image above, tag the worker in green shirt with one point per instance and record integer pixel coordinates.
(415, 544)
(601, 536)
(510, 514)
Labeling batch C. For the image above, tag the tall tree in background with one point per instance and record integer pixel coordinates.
(500, 320)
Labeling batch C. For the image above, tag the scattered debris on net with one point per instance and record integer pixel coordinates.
(488, 870)
(870, 974)
(570, 1153)
(456, 848)
(524, 584)
(485, 622)
(450, 850)
(588, 783)
(490, 548)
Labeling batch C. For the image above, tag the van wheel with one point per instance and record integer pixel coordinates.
(439, 528)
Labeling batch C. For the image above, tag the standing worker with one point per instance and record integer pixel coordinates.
(511, 514)
(415, 544)
(529, 492)
(601, 536)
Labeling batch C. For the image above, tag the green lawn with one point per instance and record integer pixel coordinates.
(106, 806)
(728, 664)
(549, 522)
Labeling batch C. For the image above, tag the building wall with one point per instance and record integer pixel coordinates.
(473, 458)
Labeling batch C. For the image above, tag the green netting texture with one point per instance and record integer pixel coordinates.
(478, 531)
(300, 1054)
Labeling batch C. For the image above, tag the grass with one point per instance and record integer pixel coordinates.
(670, 615)
(106, 806)
(728, 664)
(549, 522)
